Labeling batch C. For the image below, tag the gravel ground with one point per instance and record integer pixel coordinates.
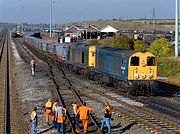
(28, 92)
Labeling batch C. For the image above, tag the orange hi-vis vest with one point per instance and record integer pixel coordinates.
(34, 118)
(60, 114)
(33, 115)
(54, 106)
(84, 111)
(48, 107)
(109, 108)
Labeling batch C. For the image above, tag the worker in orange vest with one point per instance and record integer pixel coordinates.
(60, 116)
(48, 110)
(34, 121)
(108, 106)
(84, 112)
(54, 107)
(107, 117)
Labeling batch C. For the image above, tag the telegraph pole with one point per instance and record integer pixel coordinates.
(50, 18)
(177, 29)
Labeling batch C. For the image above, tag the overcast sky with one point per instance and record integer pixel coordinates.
(37, 11)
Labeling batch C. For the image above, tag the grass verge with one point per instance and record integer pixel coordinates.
(169, 67)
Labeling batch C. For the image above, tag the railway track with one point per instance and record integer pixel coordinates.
(5, 85)
(162, 106)
(151, 121)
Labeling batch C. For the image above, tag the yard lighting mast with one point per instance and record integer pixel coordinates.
(177, 29)
(54, 26)
(22, 25)
(50, 18)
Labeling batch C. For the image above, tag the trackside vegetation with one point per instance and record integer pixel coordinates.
(169, 67)
(139, 45)
(162, 48)
(122, 41)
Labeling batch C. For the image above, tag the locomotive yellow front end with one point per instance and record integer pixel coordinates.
(142, 66)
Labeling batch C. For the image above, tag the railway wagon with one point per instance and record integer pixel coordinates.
(80, 57)
(59, 50)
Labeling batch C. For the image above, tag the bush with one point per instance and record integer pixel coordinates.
(93, 42)
(139, 45)
(106, 42)
(162, 48)
(122, 41)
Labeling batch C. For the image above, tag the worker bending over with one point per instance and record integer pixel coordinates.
(76, 117)
(84, 112)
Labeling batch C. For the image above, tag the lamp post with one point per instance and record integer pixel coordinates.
(54, 26)
(176, 29)
(22, 26)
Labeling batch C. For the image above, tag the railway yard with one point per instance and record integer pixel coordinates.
(21, 92)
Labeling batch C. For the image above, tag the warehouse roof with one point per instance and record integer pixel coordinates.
(108, 29)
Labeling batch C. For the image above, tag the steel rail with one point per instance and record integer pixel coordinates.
(2, 47)
(61, 98)
(78, 97)
(7, 105)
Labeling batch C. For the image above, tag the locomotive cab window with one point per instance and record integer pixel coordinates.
(134, 61)
(151, 61)
(82, 57)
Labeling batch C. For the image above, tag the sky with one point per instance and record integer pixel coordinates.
(37, 11)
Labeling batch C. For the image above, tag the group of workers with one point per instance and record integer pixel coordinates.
(57, 114)
(81, 112)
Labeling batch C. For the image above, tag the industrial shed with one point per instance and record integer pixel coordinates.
(108, 31)
(92, 32)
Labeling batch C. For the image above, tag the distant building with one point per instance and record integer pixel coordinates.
(108, 31)
(74, 32)
(91, 32)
